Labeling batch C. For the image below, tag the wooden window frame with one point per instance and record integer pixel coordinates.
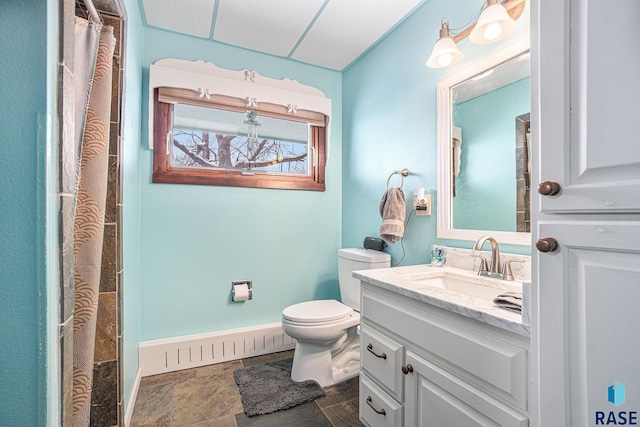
(163, 172)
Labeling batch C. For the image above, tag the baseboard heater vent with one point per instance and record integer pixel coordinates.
(190, 351)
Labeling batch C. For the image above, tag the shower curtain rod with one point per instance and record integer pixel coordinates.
(92, 10)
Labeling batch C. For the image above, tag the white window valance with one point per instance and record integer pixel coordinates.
(208, 79)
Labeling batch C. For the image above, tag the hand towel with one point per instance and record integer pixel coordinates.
(509, 300)
(392, 211)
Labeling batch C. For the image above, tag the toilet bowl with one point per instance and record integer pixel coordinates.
(327, 345)
(327, 342)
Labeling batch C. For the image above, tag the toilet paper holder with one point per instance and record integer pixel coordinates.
(249, 285)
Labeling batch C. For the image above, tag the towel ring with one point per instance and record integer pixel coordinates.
(404, 172)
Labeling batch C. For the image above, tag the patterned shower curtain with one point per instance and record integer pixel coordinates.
(90, 209)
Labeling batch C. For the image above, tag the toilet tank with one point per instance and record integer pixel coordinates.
(350, 260)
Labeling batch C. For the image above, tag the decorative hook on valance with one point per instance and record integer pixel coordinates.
(204, 93)
(250, 75)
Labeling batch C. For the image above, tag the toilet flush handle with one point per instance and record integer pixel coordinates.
(381, 356)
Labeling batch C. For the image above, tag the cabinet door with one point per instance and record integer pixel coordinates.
(591, 285)
(589, 64)
(584, 319)
(436, 398)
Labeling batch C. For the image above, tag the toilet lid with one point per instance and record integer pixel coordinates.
(317, 311)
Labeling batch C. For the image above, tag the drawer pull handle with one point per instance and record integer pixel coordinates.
(381, 356)
(378, 411)
(407, 369)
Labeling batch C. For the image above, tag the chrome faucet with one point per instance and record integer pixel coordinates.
(494, 266)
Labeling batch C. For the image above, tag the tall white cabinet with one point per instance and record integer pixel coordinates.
(585, 117)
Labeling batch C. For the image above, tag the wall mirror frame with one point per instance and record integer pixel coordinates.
(445, 228)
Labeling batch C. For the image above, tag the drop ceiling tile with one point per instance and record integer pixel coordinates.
(347, 28)
(270, 26)
(191, 17)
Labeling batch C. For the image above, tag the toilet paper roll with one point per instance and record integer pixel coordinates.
(241, 292)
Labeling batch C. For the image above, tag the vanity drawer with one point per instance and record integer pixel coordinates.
(382, 357)
(377, 408)
(492, 364)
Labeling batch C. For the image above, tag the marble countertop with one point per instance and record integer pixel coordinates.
(409, 281)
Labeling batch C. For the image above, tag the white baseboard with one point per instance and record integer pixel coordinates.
(190, 351)
(128, 413)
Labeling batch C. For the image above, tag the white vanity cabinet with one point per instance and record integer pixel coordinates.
(425, 366)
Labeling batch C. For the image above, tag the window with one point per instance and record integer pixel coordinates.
(218, 140)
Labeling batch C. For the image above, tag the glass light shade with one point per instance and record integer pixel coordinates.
(494, 24)
(444, 53)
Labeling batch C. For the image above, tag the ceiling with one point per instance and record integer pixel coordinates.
(327, 33)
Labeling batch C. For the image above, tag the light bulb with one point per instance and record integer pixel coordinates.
(445, 59)
(492, 31)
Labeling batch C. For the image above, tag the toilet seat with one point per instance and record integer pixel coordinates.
(317, 313)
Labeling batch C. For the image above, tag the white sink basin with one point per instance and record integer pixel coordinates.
(462, 282)
(461, 286)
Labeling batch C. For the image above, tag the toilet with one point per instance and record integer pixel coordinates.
(326, 331)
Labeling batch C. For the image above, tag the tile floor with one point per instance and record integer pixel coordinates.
(209, 397)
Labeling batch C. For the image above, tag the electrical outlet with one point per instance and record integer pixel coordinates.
(423, 206)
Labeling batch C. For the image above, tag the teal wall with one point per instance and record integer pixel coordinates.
(131, 179)
(24, 212)
(389, 123)
(486, 187)
(195, 239)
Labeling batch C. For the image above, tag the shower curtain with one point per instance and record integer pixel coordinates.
(93, 72)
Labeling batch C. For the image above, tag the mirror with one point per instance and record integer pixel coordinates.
(483, 151)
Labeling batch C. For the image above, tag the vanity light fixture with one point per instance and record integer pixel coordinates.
(445, 52)
(493, 22)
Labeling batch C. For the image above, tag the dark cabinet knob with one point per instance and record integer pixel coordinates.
(548, 188)
(547, 244)
(407, 369)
